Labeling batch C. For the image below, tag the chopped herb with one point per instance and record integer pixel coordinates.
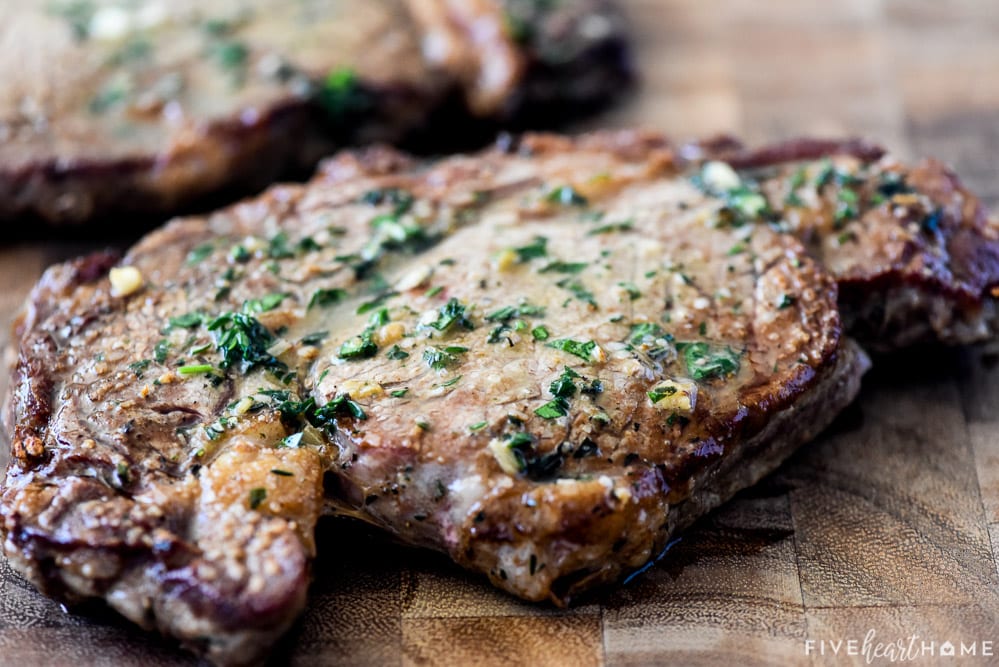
(496, 334)
(566, 196)
(478, 426)
(611, 227)
(199, 254)
(540, 333)
(139, 367)
(702, 328)
(736, 249)
(187, 321)
(377, 302)
(846, 207)
(582, 349)
(659, 393)
(564, 267)
(307, 244)
(396, 353)
(535, 249)
(523, 309)
(453, 381)
(282, 473)
(257, 496)
(277, 247)
(825, 175)
(239, 254)
(705, 362)
(243, 341)
(315, 338)
(327, 297)
(398, 393)
(341, 405)
(269, 302)
(358, 347)
(785, 301)
(452, 313)
(553, 409)
(439, 359)
(342, 95)
(434, 291)
(161, 351)
(578, 290)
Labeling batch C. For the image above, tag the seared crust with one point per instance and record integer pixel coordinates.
(917, 261)
(192, 105)
(145, 473)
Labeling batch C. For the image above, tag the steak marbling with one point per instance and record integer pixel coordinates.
(543, 360)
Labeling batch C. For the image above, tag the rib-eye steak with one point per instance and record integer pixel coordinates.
(543, 360)
(914, 252)
(114, 107)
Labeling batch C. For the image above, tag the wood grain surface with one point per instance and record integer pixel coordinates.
(888, 523)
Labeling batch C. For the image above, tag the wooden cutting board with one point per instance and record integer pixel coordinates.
(885, 524)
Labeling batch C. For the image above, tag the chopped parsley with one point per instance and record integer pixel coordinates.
(186, 321)
(453, 381)
(540, 333)
(315, 338)
(341, 406)
(377, 302)
(706, 362)
(478, 426)
(161, 351)
(262, 305)
(611, 227)
(452, 313)
(327, 297)
(257, 496)
(396, 353)
(358, 347)
(578, 290)
(341, 94)
(582, 349)
(659, 393)
(564, 267)
(199, 254)
(243, 341)
(398, 393)
(441, 358)
(523, 309)
(785, 301)
(537, 248)
(139, 367)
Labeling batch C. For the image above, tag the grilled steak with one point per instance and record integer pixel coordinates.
(543, 361)
(915, 254)
(115, 108)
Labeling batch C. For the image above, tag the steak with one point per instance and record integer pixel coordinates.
(543, 360)
(112, 109)
(914, 252)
